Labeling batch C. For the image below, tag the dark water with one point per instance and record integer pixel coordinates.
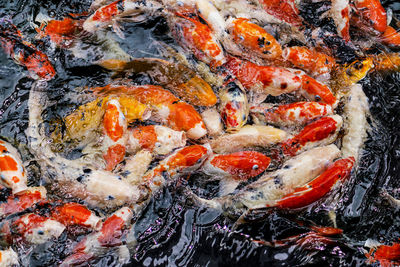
(175, 232)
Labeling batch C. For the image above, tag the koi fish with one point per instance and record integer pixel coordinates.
(158, 139)
(356, 111)
(232, 168)
(12, 171)
(22, 200)
(24, 53)
(111, 234)
(370, 14)
(234, 107)
(37, 229)
(181, 80)
(247, 137)
(323, 131)
(198, 38)
(313, 62)
(293, 114)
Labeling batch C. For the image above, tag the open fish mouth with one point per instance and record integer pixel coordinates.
(201, 132)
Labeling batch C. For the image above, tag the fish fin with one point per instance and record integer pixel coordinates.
(227, 186)
(118, 29)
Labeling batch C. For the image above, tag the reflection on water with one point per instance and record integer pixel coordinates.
(173, 231)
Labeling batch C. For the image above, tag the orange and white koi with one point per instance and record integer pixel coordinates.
(76, 214)
(24, 53)
(285, 10)
(313, 62)
(109, 14)
(298, 113)
(269, 80)
(37, 229)
(323, 131)
(241, 165)
(247, 137)
(198, 38)
(8, 257)
(234, 107)
(22, 200)
(184, 160)
(111, 234)
(12, 171)
(370, 14)
(159, 140)
(168, 109)
(305, 195)
(114, 142)
(340, 12)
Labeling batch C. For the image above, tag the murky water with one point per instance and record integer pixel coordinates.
(175, 232)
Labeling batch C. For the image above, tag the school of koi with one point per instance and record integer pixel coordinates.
(216, 105)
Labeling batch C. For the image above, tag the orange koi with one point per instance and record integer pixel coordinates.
(169, 110)
(390, 37)
(371, 14)
(198, 38)
(272, 80)
(386, 255)
(76, 214)
(276, 81)
(255, 39)
(184, 160)
(24, 53)
(61, 32)
(313, 62)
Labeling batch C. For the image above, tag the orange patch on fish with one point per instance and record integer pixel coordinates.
(112, 124)
(242, 165)
(146, 135)
(187, 156)
(115, 154)
(8, 163)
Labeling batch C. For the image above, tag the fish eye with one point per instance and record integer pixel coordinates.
(358, 65)
(255, 167)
